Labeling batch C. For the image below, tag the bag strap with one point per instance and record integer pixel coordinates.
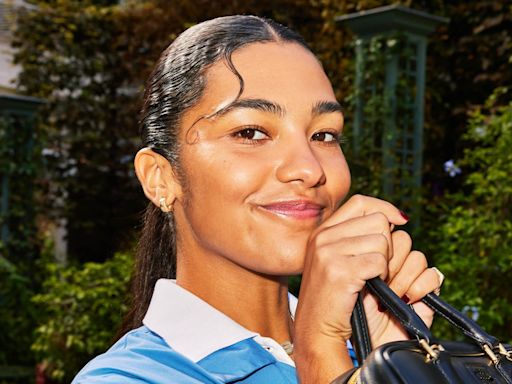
(411, 321)
(462, 322)
(401, 311)
(361, 340)
(360, 335)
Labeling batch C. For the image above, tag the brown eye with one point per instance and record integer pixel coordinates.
(251, 134)
(324, 136)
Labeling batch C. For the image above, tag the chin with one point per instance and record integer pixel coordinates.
(285, 266)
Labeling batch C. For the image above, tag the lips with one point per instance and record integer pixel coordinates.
(298, 209)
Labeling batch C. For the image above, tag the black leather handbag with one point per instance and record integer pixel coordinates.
(424, 359)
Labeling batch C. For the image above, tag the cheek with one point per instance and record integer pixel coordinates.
(218, 189)
(231, 177)
(338, 177)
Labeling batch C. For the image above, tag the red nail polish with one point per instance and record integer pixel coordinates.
(381, 307)
(406, 299)
(404, 215)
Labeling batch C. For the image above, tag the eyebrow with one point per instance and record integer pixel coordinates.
(264, 105)
(326, 107)
(258, 104)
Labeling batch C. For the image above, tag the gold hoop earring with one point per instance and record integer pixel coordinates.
(163, 205)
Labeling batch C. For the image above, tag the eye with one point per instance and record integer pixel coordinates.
(326, 137)
(251, 134)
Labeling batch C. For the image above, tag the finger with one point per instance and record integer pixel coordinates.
(355, 268)
(375, 223)
(359, 205)
(413, 266)
(353, 246)
(370, 265)
(424, 312)
(425, 283)
(440, 276)
(402, 244)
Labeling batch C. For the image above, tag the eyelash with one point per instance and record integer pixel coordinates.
(338, 138)
(238, 134)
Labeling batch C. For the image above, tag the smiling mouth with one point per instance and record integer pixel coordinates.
(295, 209)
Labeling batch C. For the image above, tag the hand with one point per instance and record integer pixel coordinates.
(352, 246)
(410, 279)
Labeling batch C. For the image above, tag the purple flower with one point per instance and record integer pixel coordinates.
(451, 168)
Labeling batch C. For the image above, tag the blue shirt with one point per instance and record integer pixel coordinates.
(185, 340)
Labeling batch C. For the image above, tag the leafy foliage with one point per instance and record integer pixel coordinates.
(467, 60)
(19, 164)
(81, 310)
(16, 314)
(473, 244)
(89, 59)
(71, 58)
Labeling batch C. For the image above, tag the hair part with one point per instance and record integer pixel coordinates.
(175, 85)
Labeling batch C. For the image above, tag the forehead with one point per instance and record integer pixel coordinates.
(285, 73)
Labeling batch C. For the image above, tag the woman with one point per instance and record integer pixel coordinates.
(246, 178)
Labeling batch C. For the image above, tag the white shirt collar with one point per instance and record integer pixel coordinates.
(191, 326)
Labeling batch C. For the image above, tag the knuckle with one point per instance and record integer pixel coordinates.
(323, 255)
(393, 268)
(358, 200)
(402, 237)
(319, 238)
(380, 260)
(418, 289)
(399, 287)
(419, 259)
(383, 239)
(381, 242)
(381, 220)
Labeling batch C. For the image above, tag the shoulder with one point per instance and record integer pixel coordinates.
(142, 356)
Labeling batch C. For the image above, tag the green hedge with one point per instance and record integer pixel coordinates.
(473, 243)
(82, 309)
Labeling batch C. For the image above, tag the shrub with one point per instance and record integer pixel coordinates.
(16, 314)
(83, 308)
(473, 245)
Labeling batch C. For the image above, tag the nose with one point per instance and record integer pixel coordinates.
(300, 164)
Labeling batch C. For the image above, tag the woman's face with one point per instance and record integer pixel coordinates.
(259, 177)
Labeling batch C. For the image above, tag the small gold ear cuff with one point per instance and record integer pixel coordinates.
(163, 205)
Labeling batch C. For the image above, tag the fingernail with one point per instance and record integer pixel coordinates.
(402, 213)
(406, 299)
(381, 307)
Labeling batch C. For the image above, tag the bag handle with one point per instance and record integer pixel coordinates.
(401, 311)
(411, 321)
(462, 322)
(360, 335)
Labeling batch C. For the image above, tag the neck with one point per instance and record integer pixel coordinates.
(255, 301)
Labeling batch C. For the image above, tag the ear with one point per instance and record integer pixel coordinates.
(157, 178)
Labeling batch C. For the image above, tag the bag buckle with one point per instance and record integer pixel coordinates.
(432, 350)
(491, 354)
(504, 352)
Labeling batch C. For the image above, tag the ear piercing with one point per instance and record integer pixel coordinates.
(163, 205)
